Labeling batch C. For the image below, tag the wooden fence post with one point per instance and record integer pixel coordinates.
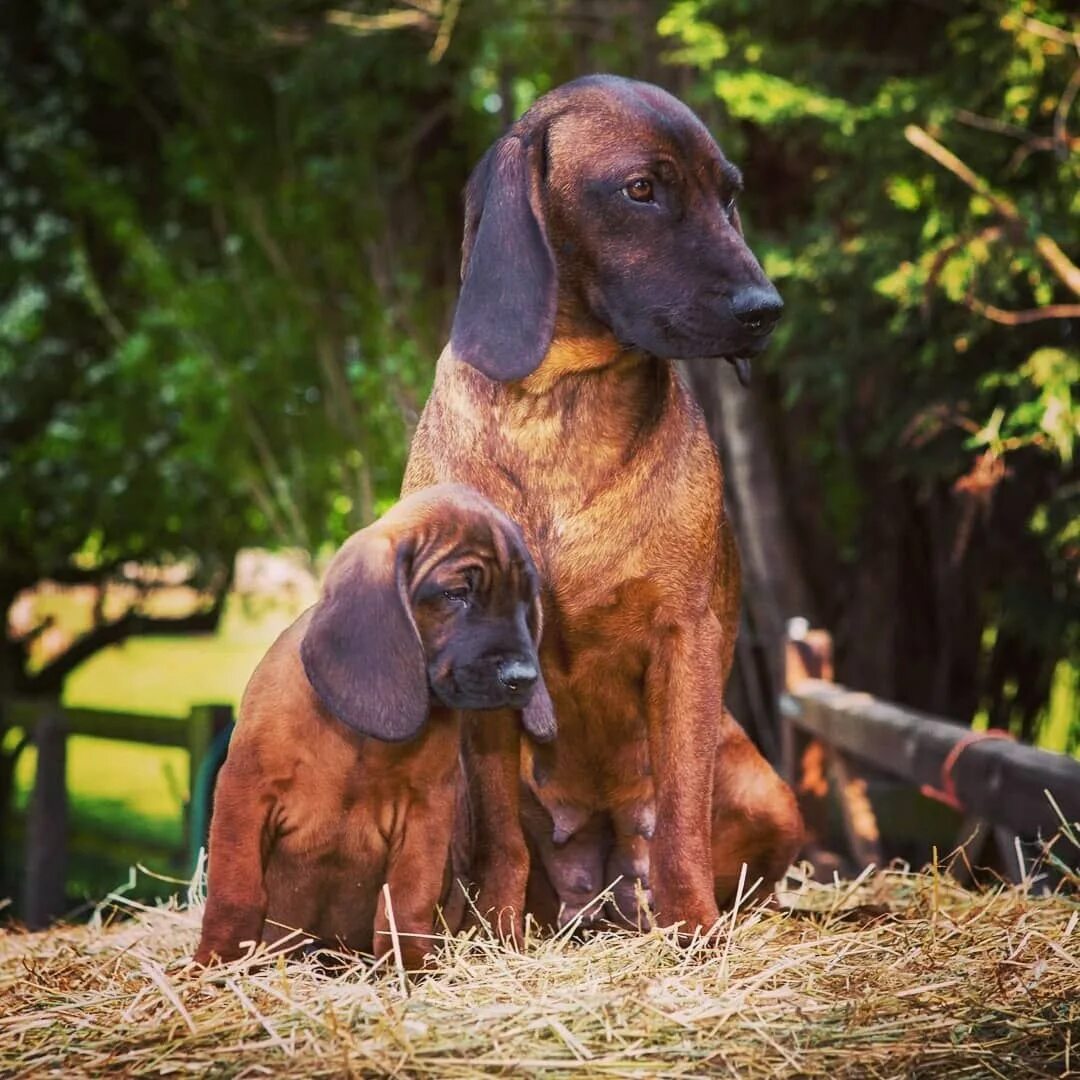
(200, 735)
(856, 809)
(812, 767)
(807, 655)
(44, 897)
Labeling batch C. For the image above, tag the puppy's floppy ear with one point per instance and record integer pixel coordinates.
(362, 652)
(538, 717)
(505, 314)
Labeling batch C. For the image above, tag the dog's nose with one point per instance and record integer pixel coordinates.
(518, 674)
(757, 309)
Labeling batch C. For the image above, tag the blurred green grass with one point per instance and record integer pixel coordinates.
(132, 792)
(1061, 731)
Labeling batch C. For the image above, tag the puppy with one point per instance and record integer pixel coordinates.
(343, 769)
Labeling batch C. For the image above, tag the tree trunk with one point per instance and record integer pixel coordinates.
(774, 589)
(869, 625)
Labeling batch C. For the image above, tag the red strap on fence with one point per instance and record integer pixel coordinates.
(947, 792)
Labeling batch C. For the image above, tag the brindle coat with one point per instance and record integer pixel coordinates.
(343, 772)
(601, 241)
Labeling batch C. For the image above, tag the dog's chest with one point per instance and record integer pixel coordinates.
(337, 821)
(350, 802)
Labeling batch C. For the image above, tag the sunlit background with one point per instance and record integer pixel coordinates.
(230, 234)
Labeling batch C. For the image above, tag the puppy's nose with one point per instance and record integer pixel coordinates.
(757, 309)
(518, 674)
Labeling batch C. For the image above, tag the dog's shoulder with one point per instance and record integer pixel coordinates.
(279, 706)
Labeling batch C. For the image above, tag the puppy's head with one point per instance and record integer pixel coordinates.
(608, 207)
(439, 598)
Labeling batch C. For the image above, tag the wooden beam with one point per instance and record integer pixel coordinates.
(129, 727)
(971, 841)
(45, 879)
(804, 760)
(998, 780)
(205, 723)
(811, 788)
(1011, 854)
(808, 654)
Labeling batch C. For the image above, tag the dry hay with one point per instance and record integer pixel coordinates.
(894, 974)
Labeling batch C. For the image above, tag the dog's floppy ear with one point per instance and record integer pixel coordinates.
(362, 652)
(505, 314)
(538, 717)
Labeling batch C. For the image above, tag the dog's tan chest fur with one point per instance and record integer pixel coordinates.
(604, 602)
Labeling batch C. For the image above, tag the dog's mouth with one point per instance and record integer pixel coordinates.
(739, 361)
(742, 368)
(457, 690)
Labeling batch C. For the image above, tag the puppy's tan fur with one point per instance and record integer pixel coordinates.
(314, 810)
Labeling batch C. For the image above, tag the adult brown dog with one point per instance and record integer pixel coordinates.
(344, 766)
(601, 241)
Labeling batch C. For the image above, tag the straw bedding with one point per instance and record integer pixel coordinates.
(893, 974)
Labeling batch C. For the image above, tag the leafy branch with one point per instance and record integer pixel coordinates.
(1048, 249)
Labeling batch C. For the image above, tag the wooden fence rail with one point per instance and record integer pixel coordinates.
(831, 735)
(49, 724)
(996, 779)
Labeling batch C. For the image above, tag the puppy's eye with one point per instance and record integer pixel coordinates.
(729, 205)
(457, 596)
(640, 190)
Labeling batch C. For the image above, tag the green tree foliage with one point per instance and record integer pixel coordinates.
(925, 374)
(232, 233)
(99, 462)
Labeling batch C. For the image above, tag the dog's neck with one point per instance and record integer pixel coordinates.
(585, 391)
(589, 375)
(571, 355)
(514, 444)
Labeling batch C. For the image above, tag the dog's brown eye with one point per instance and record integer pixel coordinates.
(457, 596)
(639, 190)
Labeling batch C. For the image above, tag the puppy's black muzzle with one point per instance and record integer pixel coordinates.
(505, 682)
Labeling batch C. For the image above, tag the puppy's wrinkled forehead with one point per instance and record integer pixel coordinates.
(456, 537)
(461, 540)
(438, 528)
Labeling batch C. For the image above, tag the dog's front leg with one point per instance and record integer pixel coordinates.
(236, 898)
(683, 688)
(416, 877)
(500, 859)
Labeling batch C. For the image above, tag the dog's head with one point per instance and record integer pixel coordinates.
(607, 210)
(439, 598)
